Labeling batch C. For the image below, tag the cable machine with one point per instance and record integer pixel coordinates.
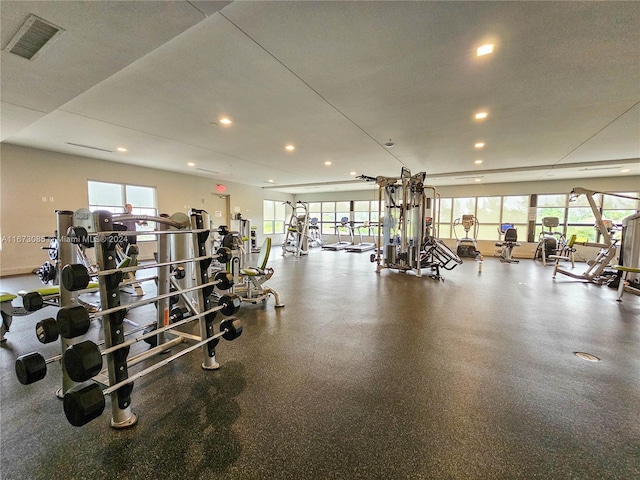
(608, 247)
(297, 239)
(406, 239)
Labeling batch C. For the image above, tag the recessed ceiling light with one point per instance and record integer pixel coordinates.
(485, 49)
(225, 121)
(270, 180)
(191, 164)
(478, 179)
(327, 162)
(478, 162)
(122, 149)
(481, 115)
(290, 148)
(479, 145)
(624, 170)
(352, 173)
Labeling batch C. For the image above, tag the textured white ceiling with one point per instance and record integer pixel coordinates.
(337, 80)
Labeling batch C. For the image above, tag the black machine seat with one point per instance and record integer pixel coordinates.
(511, 235)
(510, 241)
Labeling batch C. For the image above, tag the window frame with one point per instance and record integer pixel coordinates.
(271, 224)
(150, 210)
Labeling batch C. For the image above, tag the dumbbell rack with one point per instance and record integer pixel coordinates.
(85, 401)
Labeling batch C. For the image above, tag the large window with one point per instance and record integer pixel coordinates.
(490, 212)
(273, 217)
(328, 218)
(365, 217)
(464, 206)
(315, 210)
(332, 215)
(343, 211)
(580, 218)
(443, 217)
(362, 215)
(114, 196)
(618, 208)
(515, 210)
(576, 217)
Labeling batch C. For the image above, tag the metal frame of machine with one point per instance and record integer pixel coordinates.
(608, 247)
(406, 239)
(296, 240)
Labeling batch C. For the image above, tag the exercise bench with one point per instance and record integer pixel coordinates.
(32, 300)
(623, 280)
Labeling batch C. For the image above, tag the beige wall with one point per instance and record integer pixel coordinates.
(27, 175)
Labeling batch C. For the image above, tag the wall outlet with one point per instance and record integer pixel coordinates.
(51, 199)
(44, 199)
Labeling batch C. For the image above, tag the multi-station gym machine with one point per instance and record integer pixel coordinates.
(608, 245)
(408, 240)
(296, 240)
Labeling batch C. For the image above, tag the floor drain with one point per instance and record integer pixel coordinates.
(586, 356)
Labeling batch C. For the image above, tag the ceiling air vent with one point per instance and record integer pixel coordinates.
(587, 169)
(33, 37)
(89, 146)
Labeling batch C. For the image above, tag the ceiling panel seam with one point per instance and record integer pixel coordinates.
(599, 131)
(326, 100)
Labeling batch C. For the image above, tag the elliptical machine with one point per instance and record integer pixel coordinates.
(467, 246)
(315, 235)
(549, 241)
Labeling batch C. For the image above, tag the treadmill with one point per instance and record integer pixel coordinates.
(340, 244)
(362, 246)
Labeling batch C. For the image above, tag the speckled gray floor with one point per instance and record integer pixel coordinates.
(364, 376)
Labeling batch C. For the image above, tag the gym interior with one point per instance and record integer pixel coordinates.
(439, 279)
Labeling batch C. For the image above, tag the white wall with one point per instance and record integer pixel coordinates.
(27, 175)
